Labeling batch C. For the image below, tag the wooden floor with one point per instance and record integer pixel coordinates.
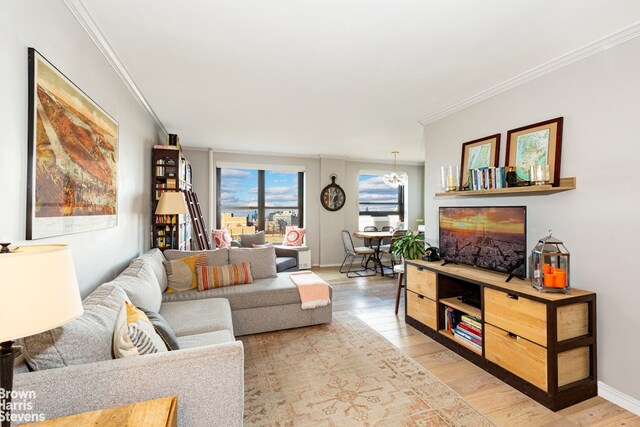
(372, 300)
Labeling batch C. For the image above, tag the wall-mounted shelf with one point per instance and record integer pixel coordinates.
(532, 190)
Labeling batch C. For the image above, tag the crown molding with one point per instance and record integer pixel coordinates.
(311, 156)
(82, 15)
(590, 49)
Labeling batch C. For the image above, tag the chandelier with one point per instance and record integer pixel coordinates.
(393, 179)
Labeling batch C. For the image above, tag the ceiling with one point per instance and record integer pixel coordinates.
(347, 78)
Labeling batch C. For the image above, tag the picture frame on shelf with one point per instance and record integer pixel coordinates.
(479, 153)
(536, 144)
(72, 158)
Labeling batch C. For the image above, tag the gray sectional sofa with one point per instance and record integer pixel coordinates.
(75, 373)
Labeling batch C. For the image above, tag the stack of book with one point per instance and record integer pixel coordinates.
(487, 178)
(469, 331)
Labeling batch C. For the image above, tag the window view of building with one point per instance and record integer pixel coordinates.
(256, 200)
(377, 199)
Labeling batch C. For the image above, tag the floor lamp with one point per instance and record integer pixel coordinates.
(38, 292)
(172, 203)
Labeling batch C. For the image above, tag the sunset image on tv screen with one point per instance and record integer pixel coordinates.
(487, 237)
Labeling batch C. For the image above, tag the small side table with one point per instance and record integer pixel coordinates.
(304, 258)
(161, 412)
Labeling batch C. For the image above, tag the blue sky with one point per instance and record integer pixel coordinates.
(373, 189)
(240, 188)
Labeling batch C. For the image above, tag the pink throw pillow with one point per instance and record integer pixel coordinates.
(293, 236)
(222, 238)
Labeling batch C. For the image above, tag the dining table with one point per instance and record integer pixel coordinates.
(373, 236)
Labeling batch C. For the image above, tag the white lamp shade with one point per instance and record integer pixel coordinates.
(171, 203)
(38, 290)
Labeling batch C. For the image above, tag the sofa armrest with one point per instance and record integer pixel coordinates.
(208, 381)
(287, 251)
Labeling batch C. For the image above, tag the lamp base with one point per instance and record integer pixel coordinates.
(8, 355)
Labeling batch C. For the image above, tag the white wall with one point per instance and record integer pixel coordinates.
(323, 227)
(50, 28)
(599, 98)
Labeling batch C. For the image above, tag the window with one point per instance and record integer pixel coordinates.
(379, 199)
(257, 200)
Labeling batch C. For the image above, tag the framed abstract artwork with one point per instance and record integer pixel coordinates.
(72, 157)
(536, 144)
(479, 153)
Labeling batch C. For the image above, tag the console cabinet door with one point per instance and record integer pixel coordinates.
(521, 316)
(517, 355)
(421, 281)
(422, 309)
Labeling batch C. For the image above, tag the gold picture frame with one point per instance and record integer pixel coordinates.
(479, 153)
(536, 144)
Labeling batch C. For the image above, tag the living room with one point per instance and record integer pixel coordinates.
(585, 72)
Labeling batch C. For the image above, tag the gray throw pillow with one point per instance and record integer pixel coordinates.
(164, 330)
(248, 240)
(214, 257)
(262, 260)
(86, 339)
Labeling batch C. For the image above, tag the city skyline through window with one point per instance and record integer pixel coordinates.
(379, 199)
(255, 200)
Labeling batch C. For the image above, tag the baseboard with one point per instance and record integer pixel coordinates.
(328, 265)
(619, 398)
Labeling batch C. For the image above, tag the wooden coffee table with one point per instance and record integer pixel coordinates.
(150, 413)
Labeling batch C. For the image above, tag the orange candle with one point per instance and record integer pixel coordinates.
(549, 280)
(560, 280)
(547, 268)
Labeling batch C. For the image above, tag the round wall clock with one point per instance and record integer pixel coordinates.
(332, 196)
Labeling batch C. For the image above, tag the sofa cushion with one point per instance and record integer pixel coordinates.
(214, 257)
(134, 335)
(279, 290)
(164, 330)
(214, 276)
(155, 258)
(141, 285)
(84, 340)
(248, 240)
(262, 260)
(182, 273)
(285, 263)
(210, 338)
(199, 316)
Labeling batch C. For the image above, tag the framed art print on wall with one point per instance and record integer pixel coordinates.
(72, 159)
(479, 153)
(536, 144)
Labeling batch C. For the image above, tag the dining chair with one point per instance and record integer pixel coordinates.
(370, 243)
(387, 240)
(353, 252)
(388, 250)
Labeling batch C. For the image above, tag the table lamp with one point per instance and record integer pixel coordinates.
(172, 203)
(38, 292)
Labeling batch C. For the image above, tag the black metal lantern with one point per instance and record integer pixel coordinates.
(550, 265)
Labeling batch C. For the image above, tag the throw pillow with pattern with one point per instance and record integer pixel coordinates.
(294, 236)
(181, 273)
(211, 276)
(222, 238)
(134, 334)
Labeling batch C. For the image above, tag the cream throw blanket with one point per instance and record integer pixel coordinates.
(314, 292)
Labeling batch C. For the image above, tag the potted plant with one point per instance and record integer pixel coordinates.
(409, 246)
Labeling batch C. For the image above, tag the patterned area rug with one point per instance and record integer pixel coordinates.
(343, 374)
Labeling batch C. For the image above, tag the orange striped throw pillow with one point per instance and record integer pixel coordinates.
(213, 276)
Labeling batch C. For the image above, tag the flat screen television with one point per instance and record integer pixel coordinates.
(488, 237)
